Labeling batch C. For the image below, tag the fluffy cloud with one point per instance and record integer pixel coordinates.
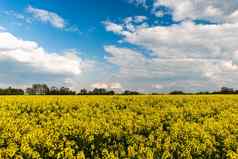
(139, 3)
(47, 17)
(185, 55)
(214, 10)
(158, 86)
(188, 40)
(113, 27)
(181, 73)
(130, 24)
(107, 85)
(135, 65)
(31, 54)
(135, 19)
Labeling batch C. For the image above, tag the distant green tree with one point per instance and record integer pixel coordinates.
(83, 92)
(11, 91)
(176, 92)
(127, 92)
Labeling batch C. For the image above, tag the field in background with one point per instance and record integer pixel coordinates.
(143, 127)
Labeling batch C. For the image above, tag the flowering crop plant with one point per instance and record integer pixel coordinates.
(139, 127)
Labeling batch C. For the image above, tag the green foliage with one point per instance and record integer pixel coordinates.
(112, 127)
(11, 91)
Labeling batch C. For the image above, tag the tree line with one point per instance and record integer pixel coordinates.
(11, 91)
(223, 90)
(102, 91)
(43, 89)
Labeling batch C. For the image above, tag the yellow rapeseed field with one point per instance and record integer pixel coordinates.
(143, 127)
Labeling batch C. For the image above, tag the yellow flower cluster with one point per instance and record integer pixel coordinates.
(111, 127)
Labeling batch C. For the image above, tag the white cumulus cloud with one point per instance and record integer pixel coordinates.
(113, 27)
(47, 17)
(139, 3)
(31, 54)
(214, 10)
(185, 52)
(107, 85)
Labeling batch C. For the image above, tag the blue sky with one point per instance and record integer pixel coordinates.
(145, 45)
